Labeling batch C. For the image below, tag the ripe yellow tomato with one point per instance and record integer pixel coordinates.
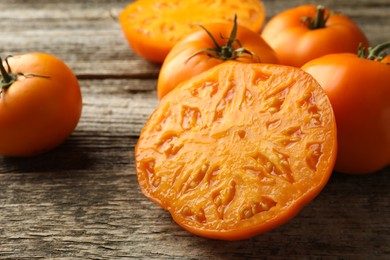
(238, 149)
(215, 43)
(358, 88)
(303, 33)
(40, 104)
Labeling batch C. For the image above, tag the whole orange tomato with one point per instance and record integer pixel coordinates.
(303, 33)
(358, 88)
(206, 48)
(40, 104)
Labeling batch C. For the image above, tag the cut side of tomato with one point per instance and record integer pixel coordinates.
(238, 150)
(153, 27)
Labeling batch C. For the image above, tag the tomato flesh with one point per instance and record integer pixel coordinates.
(238, 150)
(153, 27)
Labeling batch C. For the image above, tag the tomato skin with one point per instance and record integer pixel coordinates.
(38, 113)
(359, 93)
(296, 44)
(153, 27)
(181, 63)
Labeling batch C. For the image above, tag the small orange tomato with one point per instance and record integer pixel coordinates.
(359, 91)
(203, 49)
(301, 34)
(153, 27)
(40, 104)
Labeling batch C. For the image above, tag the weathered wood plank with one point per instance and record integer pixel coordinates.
(82, 199)
(40, 218)
(88, 37)
(114, 112)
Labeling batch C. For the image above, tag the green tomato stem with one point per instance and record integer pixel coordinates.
(6, 78)
(374, 53)
(319, 20)
(227, 51)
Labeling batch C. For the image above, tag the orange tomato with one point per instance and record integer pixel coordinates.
(40, 104)
(359, 91)
(201, 50)
(238, 149)
(153, 27)
(301, 34)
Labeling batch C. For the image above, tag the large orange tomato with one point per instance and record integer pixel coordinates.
(153, 27)
(40, 104)
(238, 149)
(359, 90)
(215, 44)
(301, 34)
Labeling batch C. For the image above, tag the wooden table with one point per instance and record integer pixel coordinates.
(82, 199)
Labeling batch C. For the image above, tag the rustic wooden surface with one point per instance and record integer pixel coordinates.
(82, 199)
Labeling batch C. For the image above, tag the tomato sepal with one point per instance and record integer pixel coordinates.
(227, 51)
(374, 53)
(319, 20)
(8, 77)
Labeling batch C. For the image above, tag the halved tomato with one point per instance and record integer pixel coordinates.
(239, 149)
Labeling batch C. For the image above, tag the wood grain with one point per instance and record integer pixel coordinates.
(82, 200)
